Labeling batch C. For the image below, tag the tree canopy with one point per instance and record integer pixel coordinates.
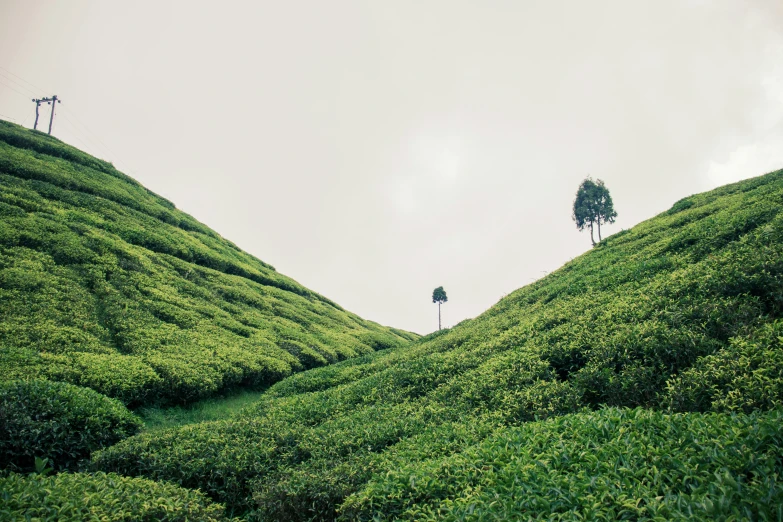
(439, 295)
(592, 206)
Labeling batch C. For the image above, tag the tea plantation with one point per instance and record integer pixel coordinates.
(641, 381)
(106, 285)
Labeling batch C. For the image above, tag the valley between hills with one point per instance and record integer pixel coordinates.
(152, 370)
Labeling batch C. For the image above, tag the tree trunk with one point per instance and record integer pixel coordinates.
(591, 233)
(438, 316)
(599, 230)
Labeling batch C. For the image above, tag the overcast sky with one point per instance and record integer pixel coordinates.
(375, 150)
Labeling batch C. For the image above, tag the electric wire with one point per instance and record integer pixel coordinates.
(85, 133)
(9, 118)
(105, 147)
(15, 120)
(25, 81)
(88, 131)
(32, 93)
(90, 144)
(13, 89)
(86, 146)
(28, 89)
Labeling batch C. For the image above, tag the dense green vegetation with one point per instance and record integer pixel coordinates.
(61, 422)
(100, 497)
(106, 285)
(609, 465)
(683, 313)
(641, 381)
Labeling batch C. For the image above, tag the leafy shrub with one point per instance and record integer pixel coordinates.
(679, 206)
(309, 357)
(746, 375)
(100, 497)
(380, 340)
(128, 379)
(609, 465)
(58, 421)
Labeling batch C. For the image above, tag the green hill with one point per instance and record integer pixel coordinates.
(513, 415)
(103, 284)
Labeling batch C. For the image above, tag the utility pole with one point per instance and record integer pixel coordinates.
(37, 105)
(54, 100)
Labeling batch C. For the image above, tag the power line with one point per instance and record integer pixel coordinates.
(17, 83)
(9, 87)
(85, 145)
(25, 81)
(24, 87)
(89, 143)
(106, 148)
(97, 143)
(85, 135)
(84, 125)
(93, 138)
(9, 118)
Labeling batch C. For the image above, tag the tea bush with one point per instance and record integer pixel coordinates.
(106, 285)
(101, 497)
(58, 421)
(613, 464)
(656, 317)
(746, 375)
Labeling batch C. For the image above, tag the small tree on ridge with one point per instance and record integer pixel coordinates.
(592, 206)
(439, 296)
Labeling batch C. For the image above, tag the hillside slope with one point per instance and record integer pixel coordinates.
(106, 285)
(682, 313)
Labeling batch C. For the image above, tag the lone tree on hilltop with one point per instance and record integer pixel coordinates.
(593, 206)
(439, 296)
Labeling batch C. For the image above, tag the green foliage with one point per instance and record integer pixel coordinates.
(106, 285)
(57, 421)
(653, 317)
(609, 465)
(746, 375)
(592, 206)
(81, 497)
(42, 466)
(439, 295)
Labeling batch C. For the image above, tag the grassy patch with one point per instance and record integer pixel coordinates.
(212, 409)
